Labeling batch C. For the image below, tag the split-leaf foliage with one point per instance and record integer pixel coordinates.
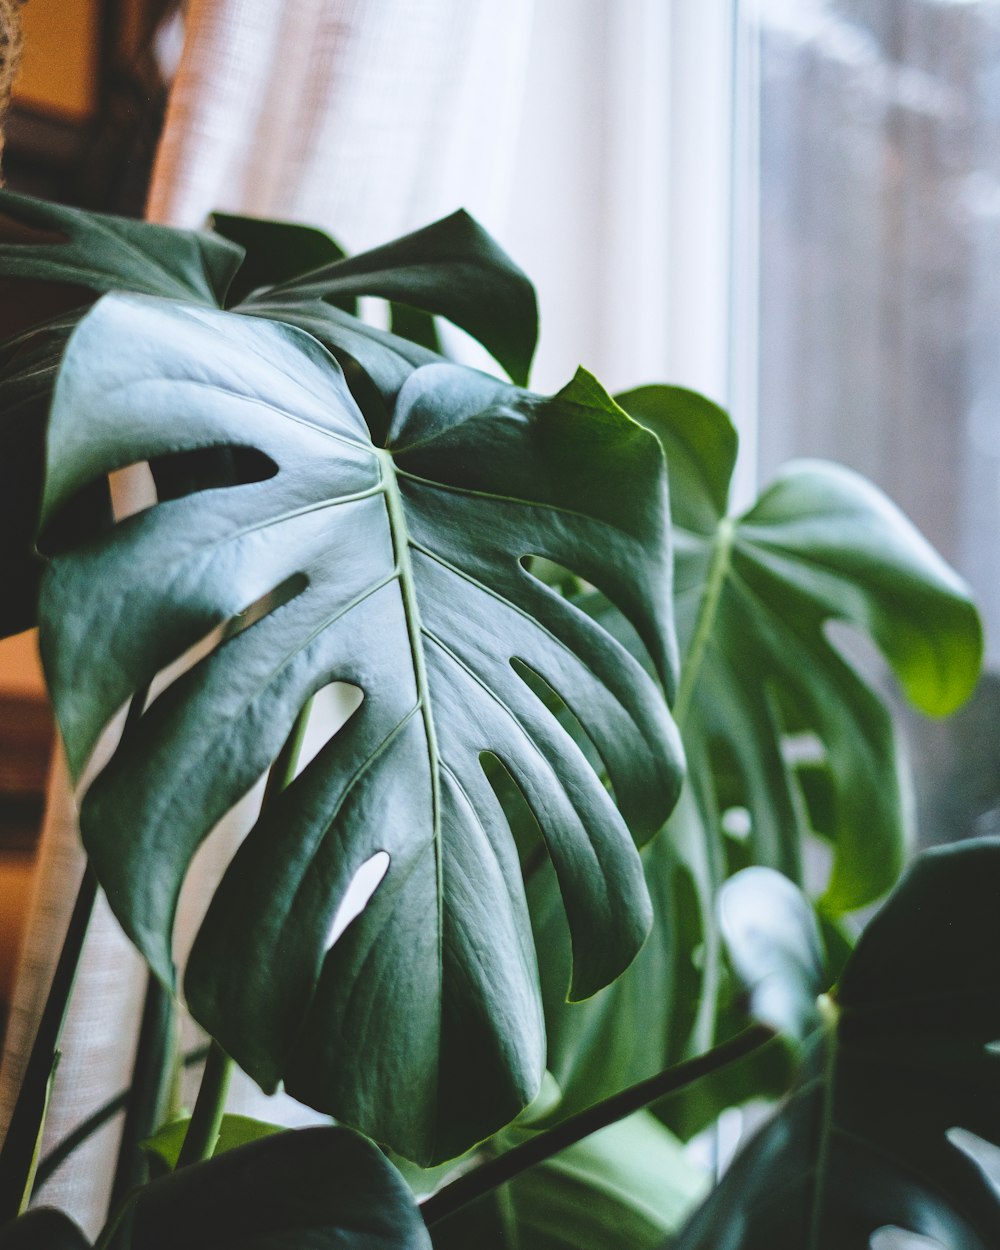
(499, 573)
(899, 1074)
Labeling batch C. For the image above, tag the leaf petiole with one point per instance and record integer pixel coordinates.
(497, 1171)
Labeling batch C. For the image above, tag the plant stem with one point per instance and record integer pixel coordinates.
(489, 1176)
(206, 1120)
(59, 1153)
(716, 580)
(19, 1156)
(151, 1075)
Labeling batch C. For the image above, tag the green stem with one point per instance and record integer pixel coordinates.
(19, 1156)
(59, 1153)
(717, 572)
(490, 1175)
(152, 1072)
(206, 1120)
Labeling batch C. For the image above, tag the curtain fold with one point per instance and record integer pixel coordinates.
(368, 119)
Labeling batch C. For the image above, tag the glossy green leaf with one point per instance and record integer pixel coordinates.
(642, 1023)
(404, 576)
(375, 362)
(628, 1186)
(53, 243)
(774, 946)
(755, 596)
(43, 1228)
(452, 268)
(276, 251)
(235, 1130)
(760, 681)
(908, 1064)
(314, 1187)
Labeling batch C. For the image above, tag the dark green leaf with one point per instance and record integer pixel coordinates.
(94, 253)
(774, 945)
(276, 251)
(311, 1188)
(375, 363)
(416, 326)
(407, 581)
(754, 598)
(625, 1188)
(700, 443)
(757, 667)
(44, 1228)
(452, 268)
(235, 1130)
(868, 1139)
(644, 1022)
(53, 243)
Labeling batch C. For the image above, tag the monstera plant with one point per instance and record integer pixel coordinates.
(543, 607)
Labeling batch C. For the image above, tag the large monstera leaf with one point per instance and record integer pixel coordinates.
(61, 259)
(451, 267)
(896, 1086)
(315, 1187)
(402, 573)
(755, 596)
(761, 680)
(318, 1187)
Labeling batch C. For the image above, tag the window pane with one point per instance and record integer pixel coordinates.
(880, 256)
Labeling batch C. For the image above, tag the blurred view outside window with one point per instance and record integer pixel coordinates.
(879, 264)
(876, 146)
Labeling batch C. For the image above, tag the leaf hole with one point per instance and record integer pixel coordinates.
(984, 1154)
(182, 473)
(286, 590)
(592, 601)
(132, 490)
(817, 864)
(520, 818)
(137, 487)
(892, 1237)
(333, 705)
(358, 895)
(555, 576)
(564, 714)
(283, 593)
(859, 653)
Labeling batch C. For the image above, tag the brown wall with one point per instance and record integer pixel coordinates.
(59, 64)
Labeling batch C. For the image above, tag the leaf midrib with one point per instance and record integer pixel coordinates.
(718, 573)
(400, 537)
